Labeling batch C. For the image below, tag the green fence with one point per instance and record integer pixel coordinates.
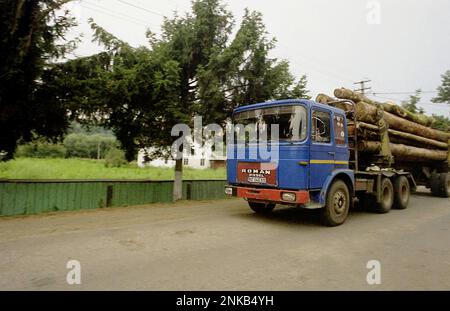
(28, 197)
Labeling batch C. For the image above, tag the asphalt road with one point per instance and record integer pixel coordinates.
(222, 245)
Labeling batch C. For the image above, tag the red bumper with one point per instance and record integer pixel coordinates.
(271, 195)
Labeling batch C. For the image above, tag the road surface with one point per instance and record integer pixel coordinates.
(222, 245)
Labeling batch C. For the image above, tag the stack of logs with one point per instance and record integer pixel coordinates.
(411, 137)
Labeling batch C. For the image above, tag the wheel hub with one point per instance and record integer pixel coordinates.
(340, 202)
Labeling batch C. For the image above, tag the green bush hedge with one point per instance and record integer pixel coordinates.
(74, 146)
(115, 158)
(41, 150)
(89, 146)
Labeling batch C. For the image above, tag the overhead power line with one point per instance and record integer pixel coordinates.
(133, 18)
(405, 93)
(140, 8)
(316, 66)
(327, 75)
(399, 100)
(113, 15)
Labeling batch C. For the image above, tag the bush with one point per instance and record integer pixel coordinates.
(115, 158)
(89, 146)
(41, 150)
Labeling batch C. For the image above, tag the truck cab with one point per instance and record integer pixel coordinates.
(308, 164)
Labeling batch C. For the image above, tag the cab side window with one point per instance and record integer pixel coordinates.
(339, 130)
(321, 127)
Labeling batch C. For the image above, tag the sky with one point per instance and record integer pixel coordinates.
(399, 45)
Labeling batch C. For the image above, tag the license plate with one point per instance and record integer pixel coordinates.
(257, 173)
(259, 180)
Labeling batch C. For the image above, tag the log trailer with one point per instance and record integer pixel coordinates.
(325, 162)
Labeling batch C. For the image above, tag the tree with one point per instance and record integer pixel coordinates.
(443, 90)
(217, 74)
(300, 89)
(192, 68)
(411, 103)
(30, 34)
(441, 123)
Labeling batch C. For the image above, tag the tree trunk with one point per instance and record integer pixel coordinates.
(324, 99)
(403, 152)
(371, 114)
(389, 107)
(419, 139)
(403, 125)
(178, 181)
(368, 113)
(406, 137)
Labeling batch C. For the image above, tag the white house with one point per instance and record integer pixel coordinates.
(199, 157)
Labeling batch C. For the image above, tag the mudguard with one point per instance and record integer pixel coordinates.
(323, 193)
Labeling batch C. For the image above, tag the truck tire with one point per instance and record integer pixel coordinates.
(337, 205)
(367, 201)
(444, 183)
(435, 185)
(401, 192)
(261, 208)
(387, 197)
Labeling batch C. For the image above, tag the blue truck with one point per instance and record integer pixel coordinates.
(318, 165)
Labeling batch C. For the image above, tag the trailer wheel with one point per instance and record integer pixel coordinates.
(261, 208)
(401, 192)
(435, 185)
(336, 209)
(387, 197)
(444, 182)
(367, 201)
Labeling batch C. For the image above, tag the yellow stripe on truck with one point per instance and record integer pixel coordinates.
(328, 162)
(341, 162)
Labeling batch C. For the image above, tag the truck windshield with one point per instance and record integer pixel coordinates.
(292, 122)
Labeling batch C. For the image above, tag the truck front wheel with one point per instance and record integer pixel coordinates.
(337, 206)
(261, 208)
(401, 192)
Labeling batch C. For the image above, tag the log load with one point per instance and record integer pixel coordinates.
(407, 136)
(371, 114)
(324, 99)
(388, 107)
(403, 152)
(410, 137)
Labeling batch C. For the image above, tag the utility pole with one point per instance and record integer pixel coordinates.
(363, 88)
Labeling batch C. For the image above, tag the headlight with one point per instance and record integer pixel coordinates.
(229, 191)
(288, 196)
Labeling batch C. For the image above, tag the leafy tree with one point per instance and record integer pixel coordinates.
(443, 90)
(441, 123)
(216, 74)
(77, 128)
(193, 68)
(30, 32)
(411, 103)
